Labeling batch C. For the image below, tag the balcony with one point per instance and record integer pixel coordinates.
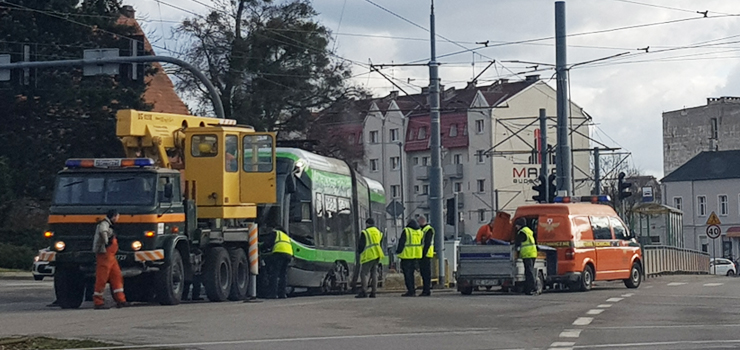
(454, 171)
(422, 201)
(421, 172)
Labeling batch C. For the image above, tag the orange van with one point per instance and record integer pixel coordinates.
(592, 243)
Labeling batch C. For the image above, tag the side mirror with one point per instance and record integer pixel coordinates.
(168, 191)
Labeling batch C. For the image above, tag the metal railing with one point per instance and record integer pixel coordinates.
(660, 259)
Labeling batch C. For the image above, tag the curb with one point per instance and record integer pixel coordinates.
(16, 276)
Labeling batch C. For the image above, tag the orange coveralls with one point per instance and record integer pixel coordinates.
(107, 270)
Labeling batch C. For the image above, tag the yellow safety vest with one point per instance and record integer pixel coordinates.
(528, 248)
(373, 250)
(430, 252)
(282, 243)
(412, 248)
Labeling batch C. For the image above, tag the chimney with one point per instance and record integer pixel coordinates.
(425, 90)
(393, 95)
(503, 81)
(471, 85)
(533, 77)
(128, 11)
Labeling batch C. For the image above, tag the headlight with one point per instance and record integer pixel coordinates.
(59, 246)
(136, 245)
(36, 258)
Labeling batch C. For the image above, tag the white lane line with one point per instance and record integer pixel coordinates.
(676, 283)
(291, 340)
(628, 295)
(605, 305)
(594, 311)
(561, 348)
(583, 321)
(614, 300)
(712, 284)
(675, 326)
(570, 333)
(701, 343)
(562, 343)
(648, 287)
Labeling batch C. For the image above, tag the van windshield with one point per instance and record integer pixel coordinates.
(105, 189)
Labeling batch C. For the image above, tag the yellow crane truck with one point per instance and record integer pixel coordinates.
(187, 193)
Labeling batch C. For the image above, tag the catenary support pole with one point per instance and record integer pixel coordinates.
(435, 176)
(543, 152)
(597, 172)
(563, 155)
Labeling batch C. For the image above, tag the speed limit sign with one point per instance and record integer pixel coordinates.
(713, 231)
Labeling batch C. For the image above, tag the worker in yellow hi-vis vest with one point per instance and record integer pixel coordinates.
(409, 251)
(280, 249)
(527, 248)
(370, 254)
(427, 253)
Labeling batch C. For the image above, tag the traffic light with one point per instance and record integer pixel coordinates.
(451, 211)
(623, 187)
(541, 192)
(551, 188)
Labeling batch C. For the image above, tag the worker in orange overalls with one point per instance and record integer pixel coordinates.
(105, 246)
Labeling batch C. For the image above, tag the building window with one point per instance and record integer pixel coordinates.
(704, 243)
(457, 159)
(416, 160)
(479, 126)
(458, 187)
(722, 205)
(713, 128)
(396, 191)
(395, 163)
(678, 203)
(416, 189)
(453, 130)
(702, 205)
(374, 136)
(422, 133)
(373, 165)
(351, 139)
(425, 189)
(481, 215)
(394, 134)
(425, 161)
(481, 185)
(479, 157)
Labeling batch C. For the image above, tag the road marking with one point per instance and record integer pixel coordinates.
(733, 325)
(583, 321)
(676, 283)
(628, 295)
(594, 311)
(712, 284)
(291, 340)
(654, 344)
(648, 287)
(570, 333)
(605, 305)
(562, 343)
(614, 300)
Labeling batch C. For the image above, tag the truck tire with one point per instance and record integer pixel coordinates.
(168, 281)
(239, 274)
(217, 274)
(467, 290)
(635, 276)
(69, 287)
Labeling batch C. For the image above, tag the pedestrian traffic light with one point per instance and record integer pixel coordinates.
(451, 211)
(551, 188)
(540, 197)
(623, 187)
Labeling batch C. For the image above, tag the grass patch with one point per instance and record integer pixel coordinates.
(27, 343)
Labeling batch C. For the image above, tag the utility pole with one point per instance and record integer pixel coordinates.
(435, 176)
(543, 152)
(563, 155)
(597, 172)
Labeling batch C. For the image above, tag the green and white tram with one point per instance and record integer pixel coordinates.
(323, 204)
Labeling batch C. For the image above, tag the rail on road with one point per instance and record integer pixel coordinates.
(660, 259)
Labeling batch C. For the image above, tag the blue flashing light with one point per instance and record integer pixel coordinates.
(73, 163)
(558, 199)
(141, 162)
(109, 163)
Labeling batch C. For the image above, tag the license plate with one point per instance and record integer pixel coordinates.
(486, 282)
(120, 257)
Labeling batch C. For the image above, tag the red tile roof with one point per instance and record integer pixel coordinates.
(422, 122)
(160, 92)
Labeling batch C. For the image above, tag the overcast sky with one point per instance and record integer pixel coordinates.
(690, 57)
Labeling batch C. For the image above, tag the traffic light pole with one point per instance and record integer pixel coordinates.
(563, 155)
(543, 151)
(218, 107)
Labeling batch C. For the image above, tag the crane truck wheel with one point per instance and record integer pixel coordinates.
(239, 273)
(69, 287)
(217, 274)
(169, 281)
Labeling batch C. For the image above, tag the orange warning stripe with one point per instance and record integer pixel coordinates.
(149, 255)
(125, 219)
(47, 256)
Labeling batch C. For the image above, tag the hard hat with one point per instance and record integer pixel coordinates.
(205, 148)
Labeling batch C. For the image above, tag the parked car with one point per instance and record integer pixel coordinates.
(41, 268)
(722, 267)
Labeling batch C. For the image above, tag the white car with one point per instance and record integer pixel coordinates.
(722, 267)
(41, 268)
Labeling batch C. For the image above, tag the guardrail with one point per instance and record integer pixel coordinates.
(660, 259)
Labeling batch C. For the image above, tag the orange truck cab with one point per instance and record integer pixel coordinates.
(592, 242)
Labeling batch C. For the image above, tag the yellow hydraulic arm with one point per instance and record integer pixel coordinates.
(158, 135)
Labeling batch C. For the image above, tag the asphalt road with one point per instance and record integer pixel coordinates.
(673, 312)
